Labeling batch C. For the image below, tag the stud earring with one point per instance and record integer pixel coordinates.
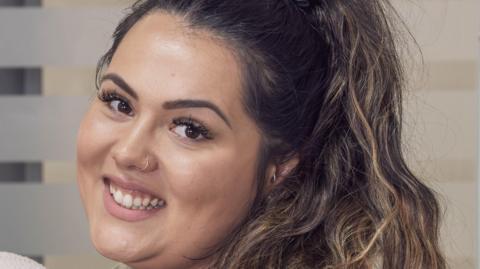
(274, 178)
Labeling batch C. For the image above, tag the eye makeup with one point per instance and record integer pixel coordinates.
(185, 127)
(115, 101)
(192, 128)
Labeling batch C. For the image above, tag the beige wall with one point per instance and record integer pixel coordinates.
(442, 115)
(440, 125)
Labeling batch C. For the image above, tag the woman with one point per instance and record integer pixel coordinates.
(253, 134)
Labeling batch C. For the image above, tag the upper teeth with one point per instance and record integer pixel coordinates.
(134, 201)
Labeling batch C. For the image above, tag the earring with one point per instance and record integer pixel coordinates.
(274, 178)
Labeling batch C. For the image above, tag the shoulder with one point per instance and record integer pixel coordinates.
(12, 261)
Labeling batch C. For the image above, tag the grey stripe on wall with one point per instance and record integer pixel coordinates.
(33, 37)
(38, 128)
(43, 219)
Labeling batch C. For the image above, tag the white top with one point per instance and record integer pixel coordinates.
(14, 261)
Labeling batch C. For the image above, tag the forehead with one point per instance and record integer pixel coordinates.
(162, 57)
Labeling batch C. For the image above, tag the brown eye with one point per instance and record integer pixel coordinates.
(115, 102)
(120, 106)
(189, 129)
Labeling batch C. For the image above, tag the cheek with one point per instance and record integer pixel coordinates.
(93, 141)
(94, 138)
(211, 191)
(208, 177)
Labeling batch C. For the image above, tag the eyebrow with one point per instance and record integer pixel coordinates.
(175, 104)
(121, 83)
(188, 103)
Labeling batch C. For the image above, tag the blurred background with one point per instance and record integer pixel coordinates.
(48, 52)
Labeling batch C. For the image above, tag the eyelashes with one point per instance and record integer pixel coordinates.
(115, 102)
(184, 127)
(190, 128)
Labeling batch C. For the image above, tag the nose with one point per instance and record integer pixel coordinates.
(132, 152)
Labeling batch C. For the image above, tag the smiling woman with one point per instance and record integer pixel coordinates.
(253, 134)
(167, 149)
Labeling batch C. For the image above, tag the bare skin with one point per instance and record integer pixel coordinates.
(207, 184)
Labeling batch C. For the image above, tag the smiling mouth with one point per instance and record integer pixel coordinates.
(133, 199)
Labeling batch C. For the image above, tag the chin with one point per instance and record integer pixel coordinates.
(119, 247)
(135, 254)
(115, 241)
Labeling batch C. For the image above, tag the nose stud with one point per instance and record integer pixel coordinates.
(146, 164)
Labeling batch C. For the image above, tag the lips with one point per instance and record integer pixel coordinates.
(130, 201)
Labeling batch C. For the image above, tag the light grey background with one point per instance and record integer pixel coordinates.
(54, 36)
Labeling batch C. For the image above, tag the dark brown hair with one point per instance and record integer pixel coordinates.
(323, 81)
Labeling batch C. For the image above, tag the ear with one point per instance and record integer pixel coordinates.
(277, 172)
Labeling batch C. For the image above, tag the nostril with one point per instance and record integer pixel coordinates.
(135, 161)
(127, 160)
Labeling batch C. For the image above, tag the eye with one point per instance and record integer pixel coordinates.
(115, 102)
(190, 129)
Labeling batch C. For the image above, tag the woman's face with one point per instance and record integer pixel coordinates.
(166, 154)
